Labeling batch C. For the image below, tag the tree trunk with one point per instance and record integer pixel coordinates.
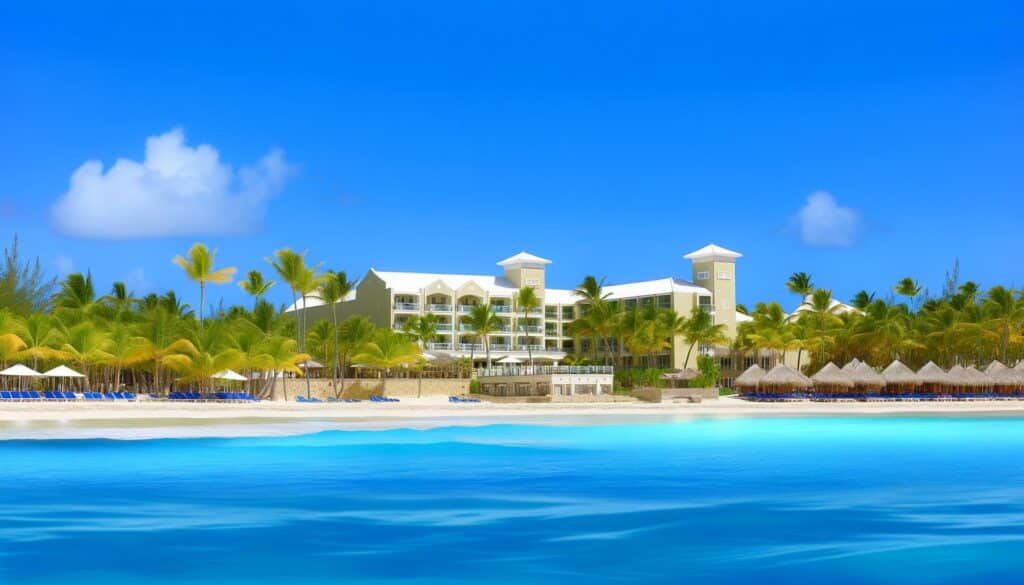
(337, 351)
(202, 301)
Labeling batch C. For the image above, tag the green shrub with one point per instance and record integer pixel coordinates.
(709, 373)
(726, 392)
(474, 386)
(640, 377)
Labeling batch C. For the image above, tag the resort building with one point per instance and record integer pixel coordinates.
(390, 299)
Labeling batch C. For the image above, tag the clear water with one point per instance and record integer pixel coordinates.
(921, 500)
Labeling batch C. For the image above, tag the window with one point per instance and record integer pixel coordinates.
(703, 275)
(665, 302)
(724, 275)
(704, 303)
(567, 313)
(532, 281)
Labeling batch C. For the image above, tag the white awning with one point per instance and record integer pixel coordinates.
(63, 372)
(229, 375)
(21, 371)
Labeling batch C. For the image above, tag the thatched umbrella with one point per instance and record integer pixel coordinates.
(899, 378)
(851, 365)
(1006, 380)
(933, 378)
(960, 380)
(784, 378)
(685, 375)
(1020, 366)
(995, 366)
(980, 381)
(831, 379)
(748, 380)
(866, 379)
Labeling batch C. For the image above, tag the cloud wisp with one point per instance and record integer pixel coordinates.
(177, 190)
(822, 222)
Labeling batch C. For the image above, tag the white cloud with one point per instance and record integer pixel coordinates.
(823, 222)
(177, 190)
(64, 264)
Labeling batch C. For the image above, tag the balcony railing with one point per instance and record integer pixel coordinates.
(503, 329)
(439, 346)
(526, 370)
(500, 347)
(407, 306)
(439, 308)
(466, 308)
(444, 326)
(530, 329)
(471, 347)
(502, 308)
(530, 347)
(466, 328)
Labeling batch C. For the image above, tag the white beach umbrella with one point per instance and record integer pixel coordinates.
(310, 364)
(20, 371)
(62, 372)
(229, 375)
(510, 360)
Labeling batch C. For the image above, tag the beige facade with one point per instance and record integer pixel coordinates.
(390, 299)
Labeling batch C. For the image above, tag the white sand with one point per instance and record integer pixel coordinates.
(166, 419)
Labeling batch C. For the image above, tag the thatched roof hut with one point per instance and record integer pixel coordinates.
(851, 365)
(1020, 366)
(933, 378)
(980, 380)
(865, 377)
(1006, 379)
(898, 377)
(749, 378)
(681, 378)
(996, 365)
(831, 379)
(960, 379)
(782, 378)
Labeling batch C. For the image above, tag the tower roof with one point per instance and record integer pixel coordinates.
(524, 259)
(712, 252)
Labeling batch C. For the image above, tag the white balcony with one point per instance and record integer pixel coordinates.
(466, 328)
(500, 347)
(439, 346)
(530, 329)
(466, 308)
(530, 347)
(502, 309)
(407, 307)
(444, 326)
(471, 347)
(439, 308)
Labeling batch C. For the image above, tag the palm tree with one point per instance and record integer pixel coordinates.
(281, 356)
(124, 349)
(85, 345)
(862, 299)
(353, 334)
(821, 313)
(335, 288)
(42, 338)
(701, 329)
(76, 298)
(163, 345)
(389, 350)
(526, 300)
(199, 268)
(800, 283)
(255, 285)
(1005, 313)
(591, 290)
(484, 321)
(908, 287)
(291, 267)
(422, 330)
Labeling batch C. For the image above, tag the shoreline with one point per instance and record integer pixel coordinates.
(151, 420)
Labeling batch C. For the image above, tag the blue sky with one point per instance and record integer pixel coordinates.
(860, 143)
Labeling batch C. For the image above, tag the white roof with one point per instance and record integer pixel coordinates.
(742, 318)
(313, 300)
(646, 288)
(711, 251)
(20, 370)
(835, 307)
(524, 258)
(414, 282)
(560, 296)
(62, 372)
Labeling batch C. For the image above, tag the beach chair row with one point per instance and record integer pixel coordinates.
(62, 396)
(383, 399)
(454, 399)
(215, 397)
(873, 397)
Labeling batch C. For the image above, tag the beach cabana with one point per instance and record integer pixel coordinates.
(933, 379)
(981, 383)
(783, 379)
(746, 382)
(63, 374)
(1020, 366)
(20, 372)
(830, 379)
(994, 366)
(1005, 380)
(866, 380)
(959, 380)
(899, 378)
(851, 365)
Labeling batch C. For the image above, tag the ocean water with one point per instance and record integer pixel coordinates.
(815, 500)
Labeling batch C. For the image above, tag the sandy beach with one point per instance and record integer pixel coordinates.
(167, 419)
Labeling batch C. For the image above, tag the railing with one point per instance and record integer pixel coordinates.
(407, 306)
(551, 332)
(399, 326)
(568, 317)
(502, 308)
(535, 312)
(500, 347)
(530, 329)
(444, 326)
(439, 346)
(439, 308)
(466, 308)
(526, 370)
(466, 328)
(471, 347)
(530, 347)
(502, 329)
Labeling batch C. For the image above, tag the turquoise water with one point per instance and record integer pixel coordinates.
(922, 500)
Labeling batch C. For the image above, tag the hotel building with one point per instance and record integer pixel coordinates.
(390, 299)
